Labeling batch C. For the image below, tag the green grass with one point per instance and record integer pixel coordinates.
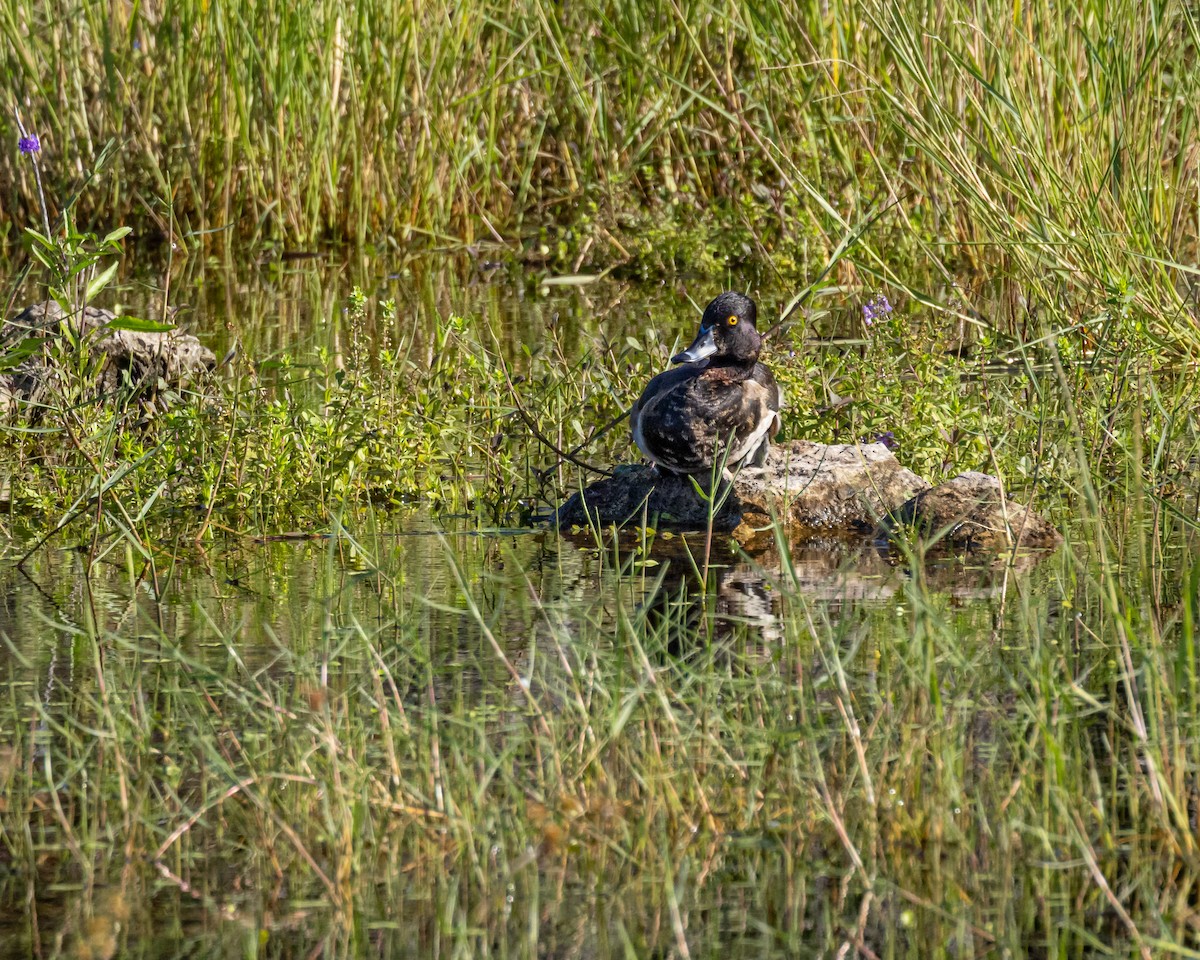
(375, 407)
(516, 751)
(925, 778)
(486, 743)
(1051, 145)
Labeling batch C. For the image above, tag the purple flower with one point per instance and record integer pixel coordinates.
(887, 438)
(877, 308)
(29, 144)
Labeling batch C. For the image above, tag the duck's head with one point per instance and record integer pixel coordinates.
(726, 331)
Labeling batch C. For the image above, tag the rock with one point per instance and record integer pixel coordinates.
(149, 358)
(826, 489)
(971, 513)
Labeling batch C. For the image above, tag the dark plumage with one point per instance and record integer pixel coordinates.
(719, 397)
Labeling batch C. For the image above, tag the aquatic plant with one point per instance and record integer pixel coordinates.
(1006, 773)
(628, 764)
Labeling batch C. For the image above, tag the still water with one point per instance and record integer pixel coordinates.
(452, 626)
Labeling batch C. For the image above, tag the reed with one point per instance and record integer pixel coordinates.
(1052, 143)
(1009, 775)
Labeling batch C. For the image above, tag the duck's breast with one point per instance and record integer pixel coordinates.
(741, 415)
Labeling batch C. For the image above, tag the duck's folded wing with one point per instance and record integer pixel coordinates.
(662, 429)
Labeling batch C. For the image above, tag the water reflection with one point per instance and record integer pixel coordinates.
(746, 592)
(291, 306)
(298, 586)
(293, 613)
(289, 609)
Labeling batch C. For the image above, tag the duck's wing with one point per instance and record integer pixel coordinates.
(660, 423)
(686, 417)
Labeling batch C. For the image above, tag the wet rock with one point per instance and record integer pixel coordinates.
(831, 489)
(971, 513)
(151, 360)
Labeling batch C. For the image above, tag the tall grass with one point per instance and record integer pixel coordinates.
(484, 766)
(429, 756)
(1045, 140)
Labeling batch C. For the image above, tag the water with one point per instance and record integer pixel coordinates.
(291, 614)
(271, 644)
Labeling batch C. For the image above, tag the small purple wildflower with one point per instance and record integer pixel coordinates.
(876, 309)
(29, 144)
(887, 438)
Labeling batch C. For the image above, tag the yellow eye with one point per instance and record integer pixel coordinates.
(733, 320)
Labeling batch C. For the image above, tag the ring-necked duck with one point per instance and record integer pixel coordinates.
(720, 396)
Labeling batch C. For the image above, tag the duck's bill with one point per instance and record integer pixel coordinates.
(705, 345)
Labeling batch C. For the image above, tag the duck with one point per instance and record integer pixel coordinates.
(719, 398)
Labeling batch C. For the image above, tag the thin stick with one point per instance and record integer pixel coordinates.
(596, 435)
(1089, 858)
(541, 438)
(37, 172)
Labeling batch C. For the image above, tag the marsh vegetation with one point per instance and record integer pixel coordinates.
(291, 663)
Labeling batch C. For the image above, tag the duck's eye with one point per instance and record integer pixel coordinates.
(733, 320)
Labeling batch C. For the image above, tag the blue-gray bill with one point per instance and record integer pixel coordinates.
(704, 346)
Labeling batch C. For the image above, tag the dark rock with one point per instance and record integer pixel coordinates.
(150, 359)
(830, 489)
(971, 513)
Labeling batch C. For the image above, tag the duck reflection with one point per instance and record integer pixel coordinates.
(751, 593)
(743, 593)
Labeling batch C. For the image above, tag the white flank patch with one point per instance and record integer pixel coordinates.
(767, 424)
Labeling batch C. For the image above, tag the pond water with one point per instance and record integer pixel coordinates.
(291, 614)
(417, 735)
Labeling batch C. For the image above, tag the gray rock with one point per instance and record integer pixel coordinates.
(151, 360)
(971, 513)
(828, 487)
(825, 489)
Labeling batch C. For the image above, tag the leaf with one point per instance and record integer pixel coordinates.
(138, 325)
(119, 234)
(45, 249)
(25, 348)
(41, 239)
(44, 258)
(78, 261)
(101, 281)
(13, 428)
